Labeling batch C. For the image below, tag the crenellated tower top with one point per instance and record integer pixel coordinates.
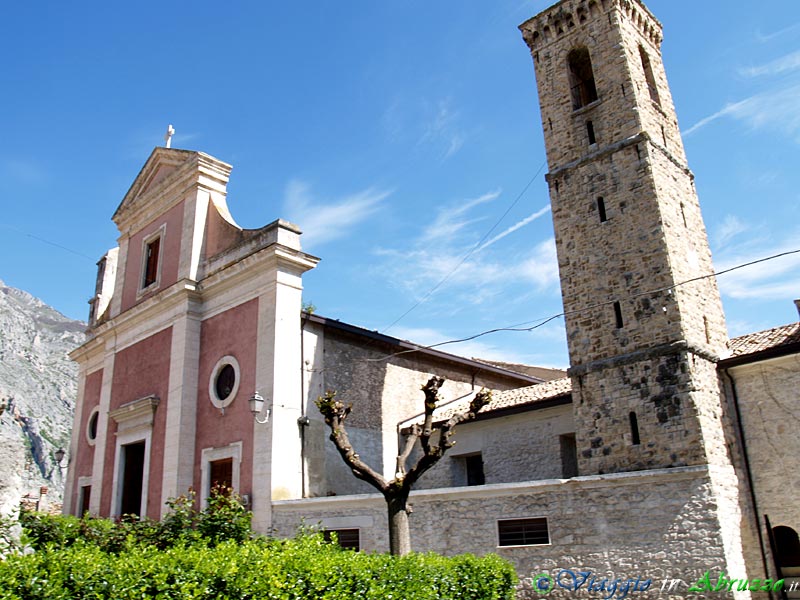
(560, 19)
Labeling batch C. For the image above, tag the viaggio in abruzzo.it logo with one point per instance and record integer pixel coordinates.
(574, 580)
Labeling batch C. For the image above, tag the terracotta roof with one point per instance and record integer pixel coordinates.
(510, 399)
(544, 373)
(761, 341)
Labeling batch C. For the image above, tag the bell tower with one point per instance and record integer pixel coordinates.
(644, 320)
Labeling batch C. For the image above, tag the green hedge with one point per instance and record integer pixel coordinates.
(306, 567)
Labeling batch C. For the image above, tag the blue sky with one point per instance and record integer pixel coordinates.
(396, 134)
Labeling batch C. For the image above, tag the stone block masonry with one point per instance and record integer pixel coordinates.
(656, 524)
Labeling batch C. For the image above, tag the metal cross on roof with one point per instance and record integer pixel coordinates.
(168, 136)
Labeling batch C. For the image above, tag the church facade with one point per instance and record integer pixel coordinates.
(667, 452)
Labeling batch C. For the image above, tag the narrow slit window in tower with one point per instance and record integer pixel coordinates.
(581, 78)
(683, 215)
(634, 429)
(618, 315)
(590, 133)
(601, 209)
(648, 74)
(707, 330)
(664, 136)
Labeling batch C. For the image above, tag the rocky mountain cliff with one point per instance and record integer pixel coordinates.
(38, 385)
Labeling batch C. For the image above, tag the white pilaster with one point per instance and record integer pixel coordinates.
(102, 430)
(179, 442)
(277, 448)
(69, 485)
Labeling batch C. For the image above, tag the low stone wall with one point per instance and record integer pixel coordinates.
(659, 525)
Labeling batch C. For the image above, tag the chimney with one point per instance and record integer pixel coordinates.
(797, 304)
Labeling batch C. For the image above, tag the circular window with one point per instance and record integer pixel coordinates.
(91, 426)
(224, 382)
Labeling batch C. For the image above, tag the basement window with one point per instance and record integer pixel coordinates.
(346, 538)
(581, 78)
(523, 532)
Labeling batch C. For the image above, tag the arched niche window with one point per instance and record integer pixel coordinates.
(648, 75)
(581, 78)
(787, 546)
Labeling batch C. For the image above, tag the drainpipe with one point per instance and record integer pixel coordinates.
(747, 470)
(302, 422)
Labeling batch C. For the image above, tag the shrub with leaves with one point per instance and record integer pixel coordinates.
(303, 568)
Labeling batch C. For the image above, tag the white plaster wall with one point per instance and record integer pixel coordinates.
(521, 447)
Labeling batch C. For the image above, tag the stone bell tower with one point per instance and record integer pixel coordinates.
(644, 323)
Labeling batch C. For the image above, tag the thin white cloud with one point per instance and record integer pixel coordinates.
(730, 227)
(768, 37)
(327, 220)
(529, 219)
(541, 267)
(776, 279)
(775, 110)
(450, 220)
(779, 66)
(440, 127)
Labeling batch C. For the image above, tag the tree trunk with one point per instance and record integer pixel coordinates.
(399, 534)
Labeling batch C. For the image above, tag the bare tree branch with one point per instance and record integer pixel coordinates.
(335, 414)
(411, 439)
(396, 491)
(431, 390)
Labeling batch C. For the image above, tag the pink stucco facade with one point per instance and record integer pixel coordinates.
(84, 456)
(172, 221)
(140, 370)
(231, 333)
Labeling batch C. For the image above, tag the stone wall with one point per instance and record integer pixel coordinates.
(656, 524)
(384, 389)
(523, 447)
(769, 406)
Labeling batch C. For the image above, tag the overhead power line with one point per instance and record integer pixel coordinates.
(469, 253)
(544, 320)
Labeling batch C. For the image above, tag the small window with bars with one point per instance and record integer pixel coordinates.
(346, 538)
(523, 532)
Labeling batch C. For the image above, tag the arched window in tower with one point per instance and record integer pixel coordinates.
(648, 75)
(581, 78)
(787, 547)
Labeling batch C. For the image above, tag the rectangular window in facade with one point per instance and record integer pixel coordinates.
(221, 473)
(152, 257)
(151, 252)
(347, 538)
(569, 455)
(474, 465)
(85, 499)
(523, 532)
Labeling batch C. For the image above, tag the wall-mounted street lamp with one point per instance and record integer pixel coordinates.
(257, 405)
(59, 456)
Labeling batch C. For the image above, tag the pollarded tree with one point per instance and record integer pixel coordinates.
(434, 438)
